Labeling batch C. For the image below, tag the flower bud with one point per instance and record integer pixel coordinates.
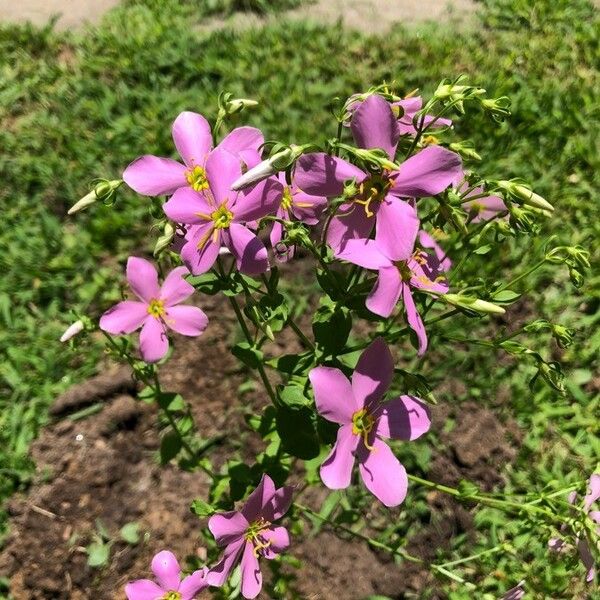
(239, 104)
(499, 108)
(523, 193)
(471, 303)
(278, 162)
(104, 190)
(164, 241)
(72, 330)
(465, 149)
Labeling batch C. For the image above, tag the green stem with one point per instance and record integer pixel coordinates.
(522, 275)
(309, 345)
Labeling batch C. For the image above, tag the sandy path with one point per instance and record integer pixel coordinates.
(366, 15)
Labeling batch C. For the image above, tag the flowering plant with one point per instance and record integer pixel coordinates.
(386, 214)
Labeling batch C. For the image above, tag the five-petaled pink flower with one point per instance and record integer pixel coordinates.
(156, 176)
(294, 204)
(365, 419)
(583, 545)
(399, 272)
(377, 204)
(156, 309)
(168, 585)
(482, 207)
(219, 216)
(409, 107)
(249, 533)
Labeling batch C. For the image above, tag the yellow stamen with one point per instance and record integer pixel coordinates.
(255, 534)
(156, 308)
(171, 596)
(196, 177)
(362, 424)
(222, 217)
(430, 140)
(286, 199)
(373, 189)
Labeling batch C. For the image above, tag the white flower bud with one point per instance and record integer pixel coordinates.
(471, 303)
(72, 330)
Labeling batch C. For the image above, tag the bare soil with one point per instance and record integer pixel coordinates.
(105, 467)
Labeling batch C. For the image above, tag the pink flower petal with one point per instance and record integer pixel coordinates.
(192, 137)
(250, 253)
(373, 373)
(397, 228)
(374, 125)
(414, 319)
(385, 294)
(427, 276)
(382, 473)
(336, 470)
(403, 418)
(352, 224)
(166, 569)
(364, 253)
(322, 175)
(142, 278)
(220, 572)
(155, 176)
(228, 527)
(427, 173)
(333, 394)
(251, 575)
(193, 584)
(258, 499)
(242, 139)
(125, 317)
(586, 557)
(279, 503)
(143, 589)
(222, 169)
(186, 320)
(279, 539)
(175, 288)
(258, 201)
(154, 342)
(188, 206)
(428, 241)
(200, 260)
(593, 493)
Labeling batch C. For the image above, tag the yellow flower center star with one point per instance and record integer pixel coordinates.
(374, 189)
(362, 424)
(254, 534)
(221, 217)
(196, 177)
(286, 199)
(156, 308)
(171, 596)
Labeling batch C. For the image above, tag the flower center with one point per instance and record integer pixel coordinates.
(286, 200)
(373, 189)
(171, 596)
(196, 177)
(405, 271)
(156, 308)
(221, 217)
(362, 424)
(254, 534)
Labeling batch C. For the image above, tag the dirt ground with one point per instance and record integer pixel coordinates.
(372, 16)
(105, 467)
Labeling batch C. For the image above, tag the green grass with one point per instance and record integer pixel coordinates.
(76, 106)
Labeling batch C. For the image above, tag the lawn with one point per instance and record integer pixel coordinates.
(76, 106)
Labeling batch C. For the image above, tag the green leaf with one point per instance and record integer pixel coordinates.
(249, 355)
(98, 553)
(201, 508)
(331, 328)
(506, 296)
(170, 446)
(297, 430)
(292, 396)
(130, 533)
(292, 364)
(171, 401)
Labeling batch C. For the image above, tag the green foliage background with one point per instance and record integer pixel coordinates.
(76, 106)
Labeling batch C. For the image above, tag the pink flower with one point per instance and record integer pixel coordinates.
(410, 107)
(376, 205)
(515, 593)
(426, 240)
(156, 309)
(156, 176)
(249, 533)
(399, 272)
(219, 216)
(583, 545)
(168, 585)
(294, 204)
(365, 419)
(485, 208)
